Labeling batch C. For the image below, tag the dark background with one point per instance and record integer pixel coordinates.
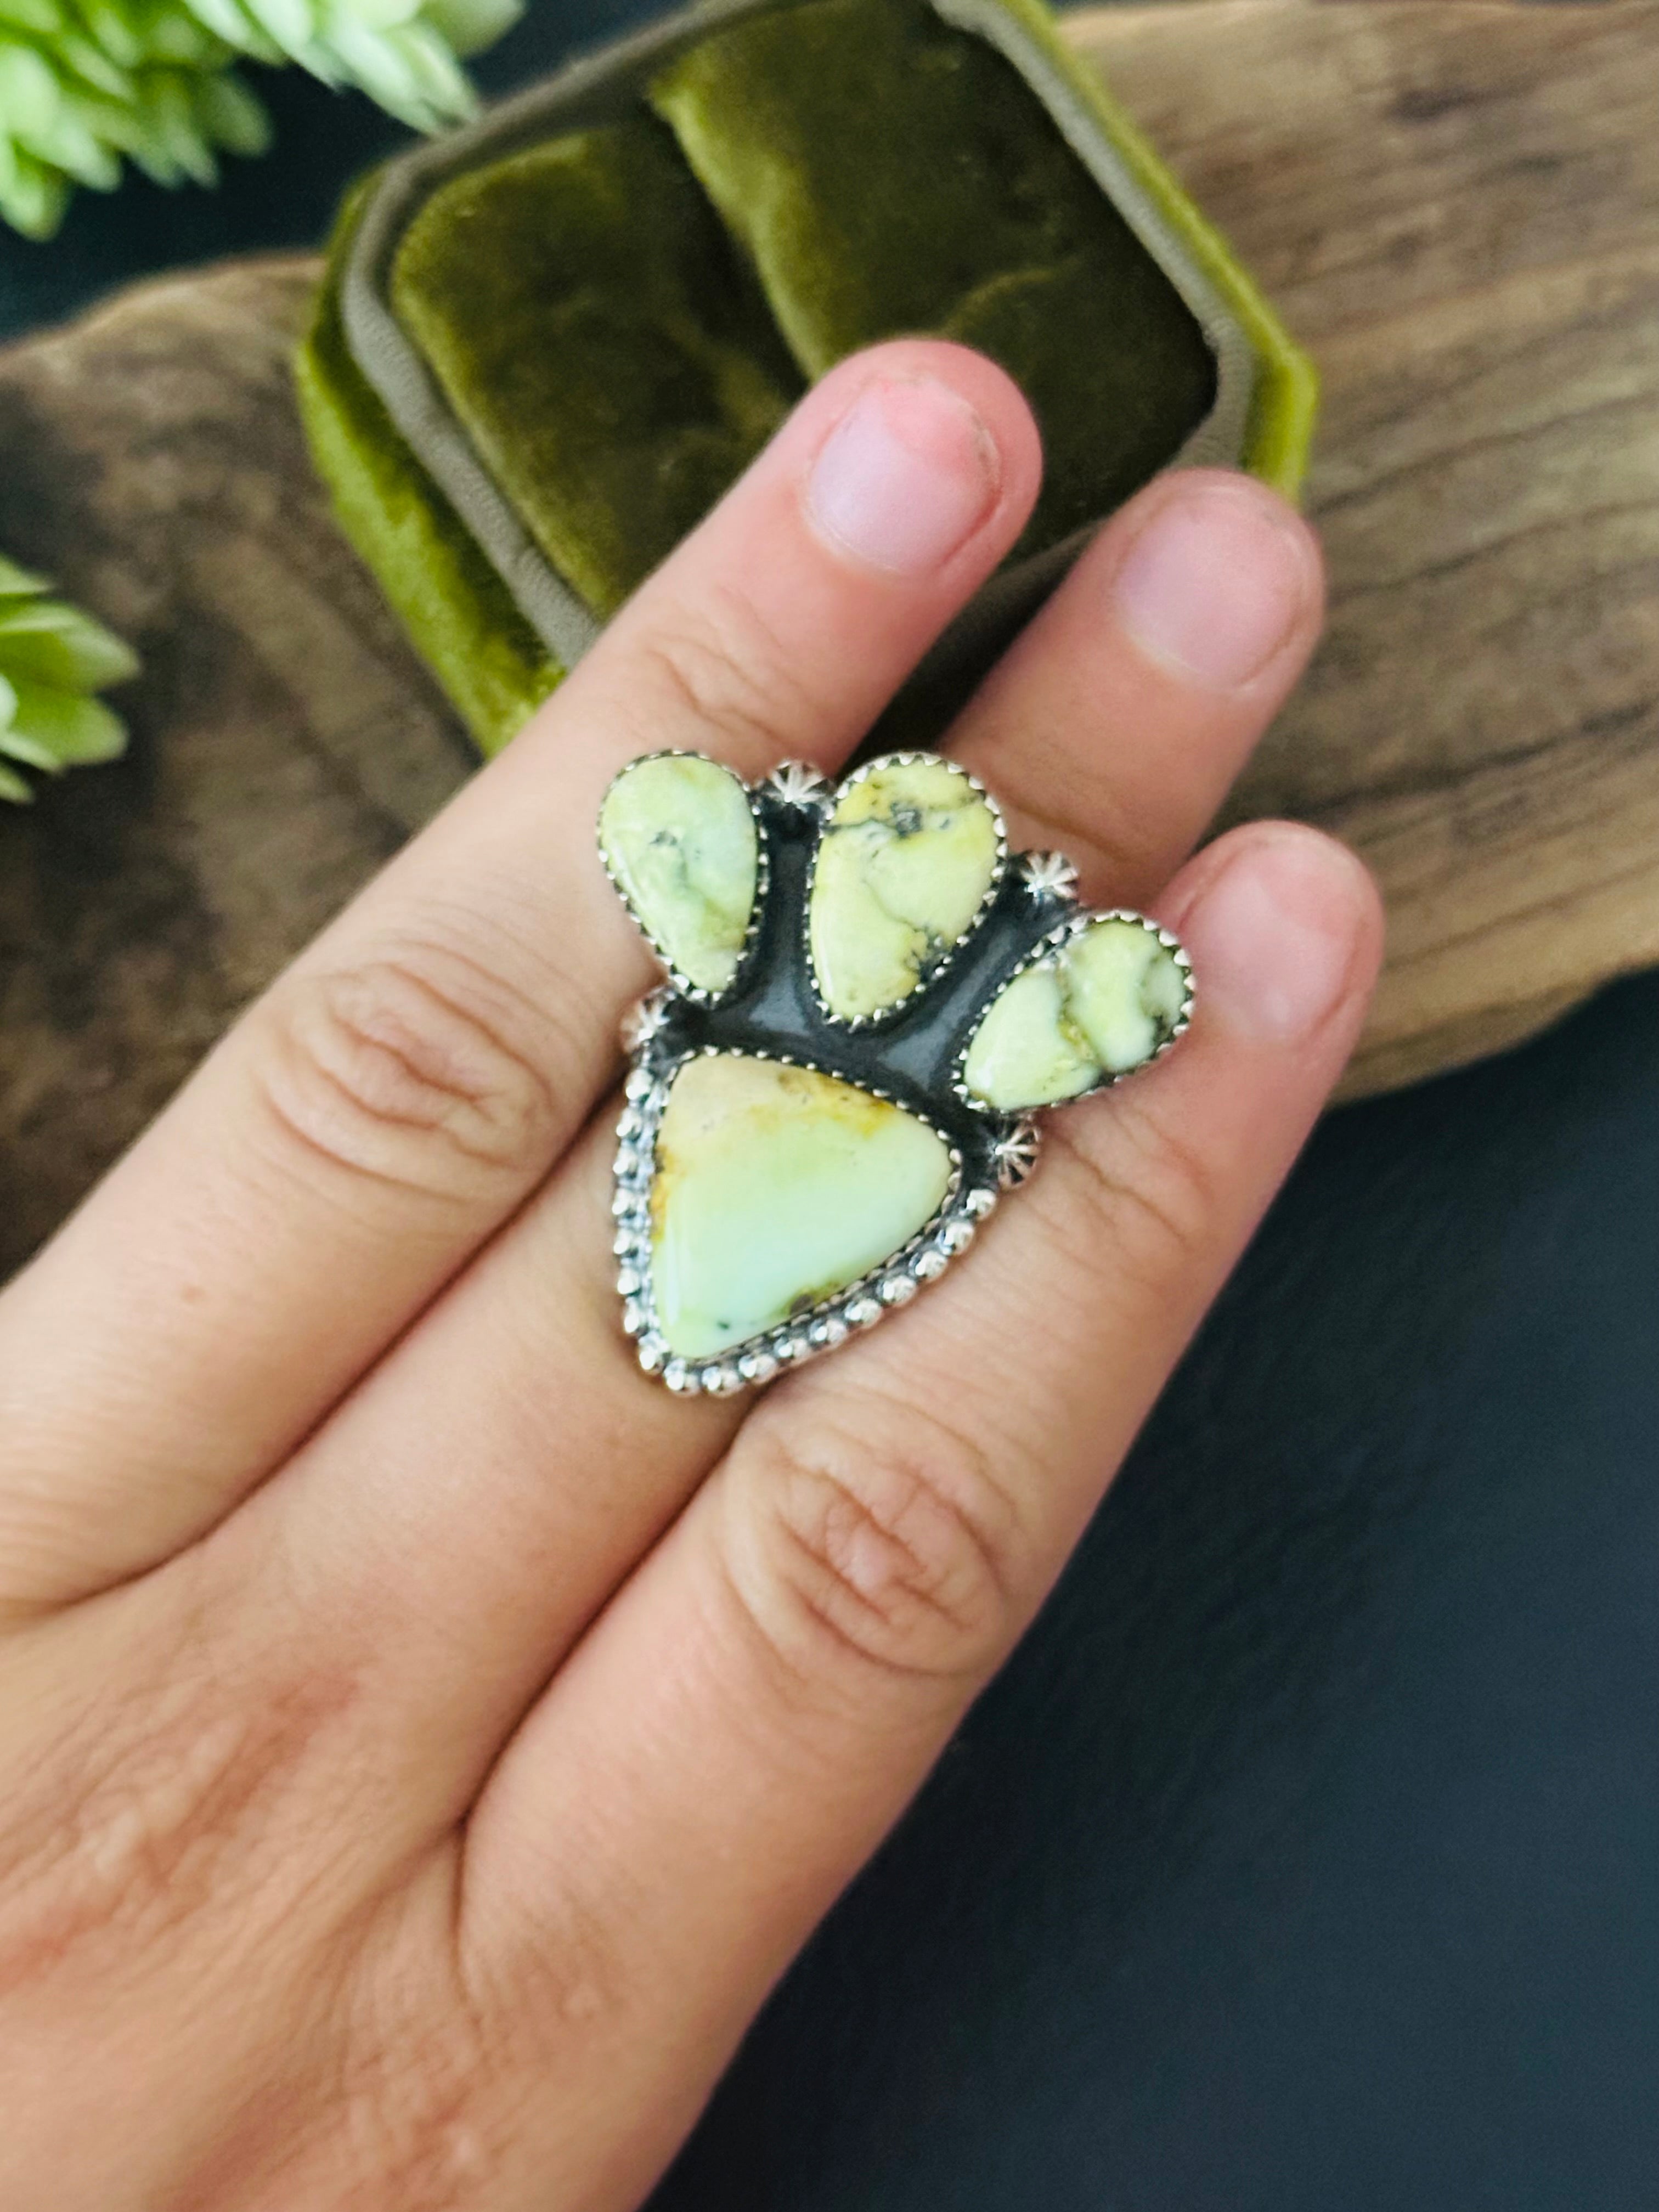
(1307, 1857)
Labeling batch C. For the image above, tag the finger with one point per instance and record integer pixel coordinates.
(497, 1476)
(754, 1709)
(1116, 724)
(400, 1090)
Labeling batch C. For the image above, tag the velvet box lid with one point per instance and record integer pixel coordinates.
(545, 345)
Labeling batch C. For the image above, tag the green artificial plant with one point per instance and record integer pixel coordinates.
(53, 658)
(87, 84)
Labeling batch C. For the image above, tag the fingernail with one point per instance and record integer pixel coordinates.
(904, 478)
(1215, 583)
(1273, 937)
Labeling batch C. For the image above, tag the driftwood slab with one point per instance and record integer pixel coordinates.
(285, 738)
(1456, 205)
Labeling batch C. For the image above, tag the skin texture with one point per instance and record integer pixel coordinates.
(423, 1741)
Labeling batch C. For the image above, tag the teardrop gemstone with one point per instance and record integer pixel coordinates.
(907, 857)
(678, 833)
(775, 1188)
(1105, 1002)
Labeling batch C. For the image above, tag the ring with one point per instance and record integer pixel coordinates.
(867, 998)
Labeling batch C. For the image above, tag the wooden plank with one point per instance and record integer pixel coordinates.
(1457, 209)
(286, 740)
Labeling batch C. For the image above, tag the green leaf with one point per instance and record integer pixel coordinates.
(373, 15)
(410, 73)
(175, 135)
(84, 83)
(74, 146)
(469, 25)
(440, 76)
(49, 641)
(291, 23)
(33, 198)
(114, 29)
(232, 116)
(13, 788)
(42, 16)
(52, 657)
(19, 583)
(180, 37)
(54, 730)
(20, 747)
(88, 66)
(31, 95)
(231, 22)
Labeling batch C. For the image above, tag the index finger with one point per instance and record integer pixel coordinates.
(398, 1092)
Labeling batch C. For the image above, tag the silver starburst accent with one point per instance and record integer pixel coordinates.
(1048, 875)
(798, 783)
(644, 1020)
(1016, 1154)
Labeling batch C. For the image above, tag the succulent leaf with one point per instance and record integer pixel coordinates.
(53, 658)
(54, 730)
(85, 84)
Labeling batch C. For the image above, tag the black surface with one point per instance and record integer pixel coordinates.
(1307, 1857)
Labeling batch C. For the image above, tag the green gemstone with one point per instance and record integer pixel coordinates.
(776, 1188)
(1104, 1004)
(907, 858)
(678, 833)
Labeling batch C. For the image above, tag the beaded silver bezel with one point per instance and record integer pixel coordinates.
(699, 994)
(1045, 950)
(927, 977)
(822, 1328)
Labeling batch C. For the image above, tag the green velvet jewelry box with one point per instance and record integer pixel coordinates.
(547, 344)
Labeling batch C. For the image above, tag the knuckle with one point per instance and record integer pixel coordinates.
(415, 2123)
(416, 1068)
(538, 1982)
(725, 669)
(906, 1556)
(1149, 1200)
(156, 1806)
(449, 2032)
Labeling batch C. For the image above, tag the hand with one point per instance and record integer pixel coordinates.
(423, 1741)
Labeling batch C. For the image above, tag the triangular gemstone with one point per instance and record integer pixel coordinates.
(776, 1188)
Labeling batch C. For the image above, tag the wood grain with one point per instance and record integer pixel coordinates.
(285, 738)
(1457, 207)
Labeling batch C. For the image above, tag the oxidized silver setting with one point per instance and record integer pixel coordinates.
(822, 1327)
(797, 783)
(911, 1056)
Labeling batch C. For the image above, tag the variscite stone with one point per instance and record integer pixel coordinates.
(776, 1188)
(1101, 1004)
(907, 858)
(678, 835)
